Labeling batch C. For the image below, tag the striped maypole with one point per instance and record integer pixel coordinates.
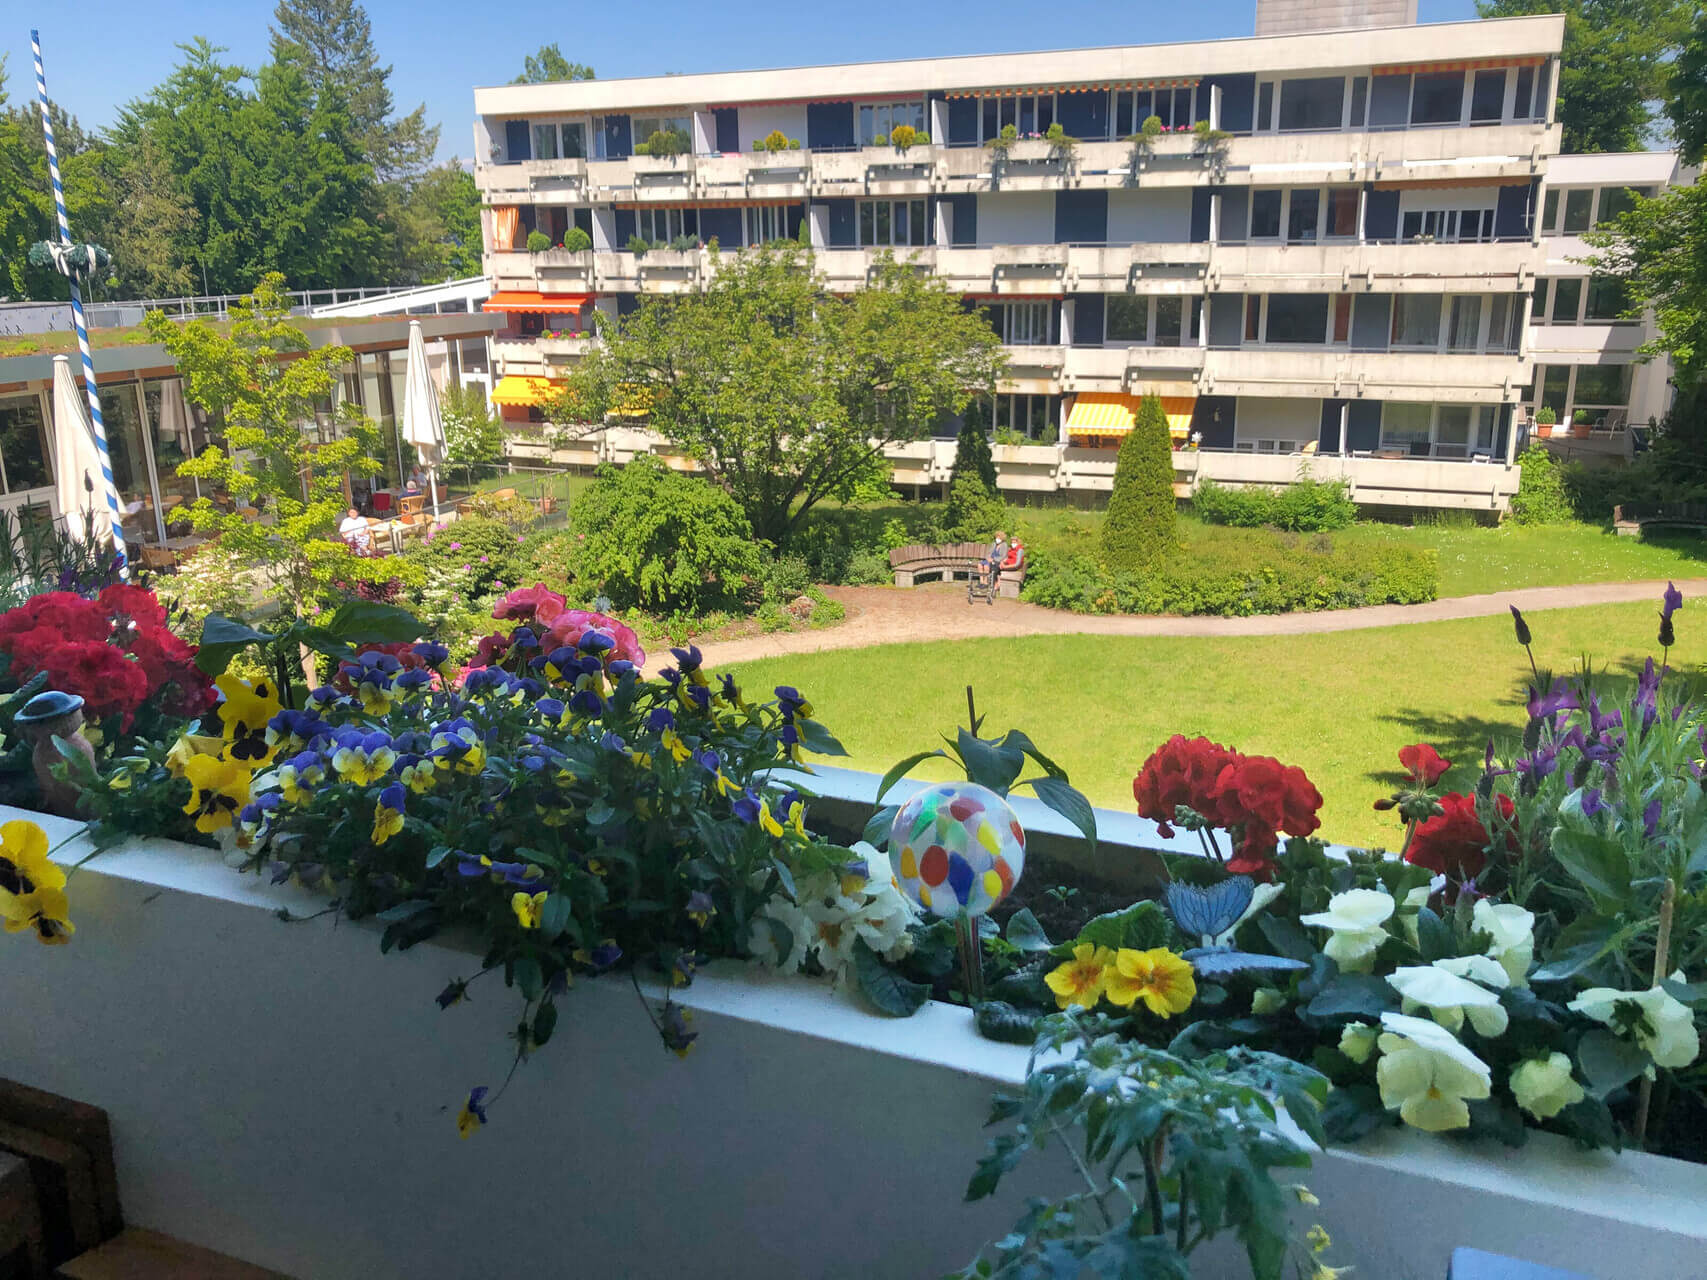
(77, 314)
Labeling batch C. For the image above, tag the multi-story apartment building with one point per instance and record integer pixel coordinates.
(1338, 280)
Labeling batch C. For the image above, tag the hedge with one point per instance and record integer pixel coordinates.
(1240, 572)
(1304, 506)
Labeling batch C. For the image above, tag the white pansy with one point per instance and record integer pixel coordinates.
(1426, 1075)
(1544, 1086)
(762, 941)
(1357, 1041)
(1483, 969)
(1450, 998)
(1266, 1000)
(1414, 901)
(1261, 896)
(1357, 918)
(1665, 1028)
(1511, 930)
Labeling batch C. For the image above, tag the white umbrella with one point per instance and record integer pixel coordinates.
(76, 460)
(422, 426)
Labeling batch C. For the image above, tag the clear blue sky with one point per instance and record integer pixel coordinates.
(102, 53)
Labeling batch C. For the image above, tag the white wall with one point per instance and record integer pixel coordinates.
(1016, 217)
(1158, 216)
(1277, 418)
(756, 122)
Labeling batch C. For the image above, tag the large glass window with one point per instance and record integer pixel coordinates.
(1298, 317)
(1302, 216)
(1556, 389)
(1128, 318)
(1464, 323)
(1438, 99)
(767, 222)
(1567, 298)
(1312, 103)
(1617, 200)
(892, 223)
(1487, 97)
(1579, 209)
(130, 463)
(880, 119)
(1406, 426)
(1603, 386)
(1524, 107)
(1342, 211)
(1505, 315)
(1026, 324)
(1265, 214)
(1170, 318)
(1033, 416)
(1416, 320)
(24, 449)
(575, 141)
(545, 142)
(1028, 113)
(1607, 299)
(662, 226)
(1265, 106)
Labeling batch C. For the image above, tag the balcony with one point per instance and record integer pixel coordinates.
(1377, 375)
(1383, 482)
(1502, 266)
(539, 357)
(1146, 268)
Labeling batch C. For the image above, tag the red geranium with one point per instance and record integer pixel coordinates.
(1454, 842)
(136, 603)
(1423, 763)
(103, 675)
(63, 613)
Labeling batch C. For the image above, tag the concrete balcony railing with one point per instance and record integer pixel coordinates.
(539, 357)
(1583, 343)
(1381, 482)
(1376, 375)
(1502, 266)
(553, 271)
(1146, 268)
(655, 271)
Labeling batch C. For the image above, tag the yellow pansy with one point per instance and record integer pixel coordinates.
(219, 787)
(1162, 980)
(191, 744)
(243, 717)
(679, 751)
(528, 908)
(1080, 980)
(46, 913)
(769, 823)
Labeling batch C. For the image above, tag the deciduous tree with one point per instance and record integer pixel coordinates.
(549, 66)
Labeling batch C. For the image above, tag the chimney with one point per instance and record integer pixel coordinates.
(1290, 17)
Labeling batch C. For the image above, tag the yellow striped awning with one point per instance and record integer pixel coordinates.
(1010, 91)
(517, 389)
(1109, 414)
(1459, 64)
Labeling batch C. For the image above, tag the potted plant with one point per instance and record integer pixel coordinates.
(577, 241)
(1582, 422)
(1062, 145)
(538, 242)
(1545, 417)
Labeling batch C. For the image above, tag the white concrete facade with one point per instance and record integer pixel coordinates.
(1364, 229)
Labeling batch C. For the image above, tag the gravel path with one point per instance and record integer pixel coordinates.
(893, 615)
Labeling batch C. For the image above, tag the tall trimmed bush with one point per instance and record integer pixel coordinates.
(972, 455)
(1541, 497)
(1139, 530)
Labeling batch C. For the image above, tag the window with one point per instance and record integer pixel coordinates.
(665, 225)
(883, 118)
(1416, 320)
(1253, 317)
(1033, 416)
(1298, 317)
(1265, 214)
(545, 142)
(1359, 102)
(1579, 210)
(1128, 318)
(23, 445)
(766, 223)
(1555, 389)
(1464, 323)
(1169, 315)
(1265, 107)
(1487, 97)
(1567, 299)
(1406, 426)
(1438, 430)
(575, 141)
(1550, 211)
(1026, 324)
(1312, 104)
(1538, 312)
(1607, 299)
(1342, 212)
(1524, 107)
(1617, 200)
(1603, 386)
(1027, 113)
(1301, 216)
(1505, 322)
(1438, 99)
(892, 222)
(646, 126)
(1447, 225)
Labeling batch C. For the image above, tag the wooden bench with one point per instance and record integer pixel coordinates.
(946, 562)
(1630, 519)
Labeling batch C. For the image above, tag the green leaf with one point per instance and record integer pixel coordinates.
(887, 990)
(1607, 1061)
(1287, 938)
(544, 1023)
(222, 640)
(1025, 933)
(998, 1020)
(1069, 802)
(404, 911)
(524, 970)
(879, 825)
(437, 854)
(782, 937)
(554, 915)
(371, 622)
(1025, 744)
(1579, 945)
(1140, 927)
(1354, 1112)
(990, 764)
(1500, 1120)
(1598, 863)
(1693, 994)
(817, 739)
(1434, 938)
(901, 769)
(1354, 995)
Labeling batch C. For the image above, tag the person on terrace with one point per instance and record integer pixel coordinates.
(354, 531)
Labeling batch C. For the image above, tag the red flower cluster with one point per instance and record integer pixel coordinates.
(1254, 797)
(115, 652)
(1455, 843)
(1424, 764)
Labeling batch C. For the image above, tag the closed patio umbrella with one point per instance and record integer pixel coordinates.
(78, 479)
(422, 426)
(174, 424)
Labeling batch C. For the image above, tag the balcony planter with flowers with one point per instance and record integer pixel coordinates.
(548, 820)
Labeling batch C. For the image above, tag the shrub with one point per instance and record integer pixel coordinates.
(972, 456)
(973, 511)
(472, 557)
(638, 244)
(1238, 572)
(786, 578)
(664, 143)
(867, 568)
(577, 241)
(1139, 529)
(518, 513)
(651, 537)
(903, 136)
(777, 140)
(538, 242)
(1541, 497)
(1305, 506)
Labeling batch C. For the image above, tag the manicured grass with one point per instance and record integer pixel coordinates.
(1339, 705)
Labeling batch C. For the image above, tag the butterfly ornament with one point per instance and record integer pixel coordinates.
(1212, 915)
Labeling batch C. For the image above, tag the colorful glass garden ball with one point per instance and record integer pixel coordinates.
(957, 847)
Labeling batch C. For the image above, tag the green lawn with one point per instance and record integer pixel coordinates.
(1339, 705)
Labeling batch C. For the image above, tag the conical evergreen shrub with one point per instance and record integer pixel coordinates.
(1139, 529)
(972, 455)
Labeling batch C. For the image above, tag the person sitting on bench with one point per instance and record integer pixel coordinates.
(990, 567)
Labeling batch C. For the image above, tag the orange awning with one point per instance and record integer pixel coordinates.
(527, 300)
(1108, 414)
(1460, 64)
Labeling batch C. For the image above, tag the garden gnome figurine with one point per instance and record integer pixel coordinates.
(44, 717)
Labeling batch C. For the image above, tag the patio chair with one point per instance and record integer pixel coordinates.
(413, 504)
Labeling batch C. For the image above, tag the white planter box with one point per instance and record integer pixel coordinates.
(286, 1094)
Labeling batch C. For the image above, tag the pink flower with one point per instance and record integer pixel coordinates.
(570, 625)
(525, 604)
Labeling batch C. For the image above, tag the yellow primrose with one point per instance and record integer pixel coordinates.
(1080, 980)
(528, 908)
(191, 744)
(219, 787)
(45, 912)
(1162, 980)
(243, 716)
(679, 751)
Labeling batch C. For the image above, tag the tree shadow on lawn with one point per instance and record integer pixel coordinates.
(1689, 546)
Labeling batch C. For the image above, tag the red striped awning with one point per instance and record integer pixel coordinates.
(1007, 91)
(529, 301)
(1460, 64)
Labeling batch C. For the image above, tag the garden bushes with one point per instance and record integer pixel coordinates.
(1238, 573)
(1305, 506)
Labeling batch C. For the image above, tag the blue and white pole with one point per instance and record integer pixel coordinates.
(70, 269)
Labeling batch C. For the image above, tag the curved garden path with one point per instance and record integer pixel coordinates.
(891, 615)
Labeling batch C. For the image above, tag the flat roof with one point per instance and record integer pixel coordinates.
(1492, 38)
